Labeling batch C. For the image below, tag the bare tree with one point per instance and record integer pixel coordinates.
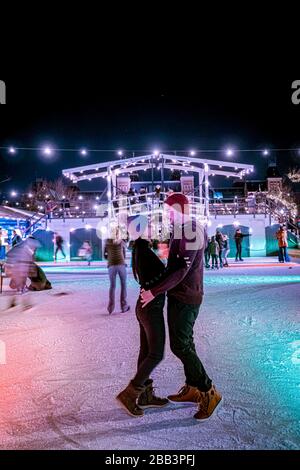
(59, 190)
(50, 194)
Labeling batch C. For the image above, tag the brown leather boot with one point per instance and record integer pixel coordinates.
(128, 399)
(148, 400)
(208, 402)
(187, 394)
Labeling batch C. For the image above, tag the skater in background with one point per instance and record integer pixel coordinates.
(238, 237)
(148, 270)
(86, 252)
(282, 239)
(16, 237)
(38, 280)
(214, 253)
(115, 253)
(219, 239)
(20, 264)
(226, 250)
(59, 242)
(207, 253)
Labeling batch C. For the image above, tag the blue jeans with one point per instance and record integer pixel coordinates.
(283, 254)
(113, 271)
(225, 254)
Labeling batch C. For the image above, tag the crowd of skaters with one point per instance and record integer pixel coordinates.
(216, 253)
(218, 248)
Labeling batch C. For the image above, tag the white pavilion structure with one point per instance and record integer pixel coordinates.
(196, 173)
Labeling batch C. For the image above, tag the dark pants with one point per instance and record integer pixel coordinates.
(283, 254)
(152, 338)
(214, 261)
(181, 320)
(59, 248)
(207, 258)
(238, 251)
(220, 257)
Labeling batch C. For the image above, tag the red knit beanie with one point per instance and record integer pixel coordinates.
(180, 200)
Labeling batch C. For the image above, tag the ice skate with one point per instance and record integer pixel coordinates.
(187, 394)
(149, 400)
(208, 402)
(128, 400)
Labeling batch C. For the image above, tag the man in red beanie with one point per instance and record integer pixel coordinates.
(184, 286)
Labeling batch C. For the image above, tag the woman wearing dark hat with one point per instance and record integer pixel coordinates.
(148, 271)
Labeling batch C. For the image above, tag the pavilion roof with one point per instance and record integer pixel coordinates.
(169, 162)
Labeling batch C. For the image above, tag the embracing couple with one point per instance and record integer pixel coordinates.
(183, 281)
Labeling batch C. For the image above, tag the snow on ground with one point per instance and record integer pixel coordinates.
(66, 359)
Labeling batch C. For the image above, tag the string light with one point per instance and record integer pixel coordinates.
(83, 151)
(47, 151)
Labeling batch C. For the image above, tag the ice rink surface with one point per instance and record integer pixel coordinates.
(63, 360)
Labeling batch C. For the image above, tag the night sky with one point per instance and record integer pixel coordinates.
(138, 113)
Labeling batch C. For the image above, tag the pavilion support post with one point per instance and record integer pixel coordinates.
(206, 184)
(114, 184)
(152, 175)
(109, 194)
(162, 173)
(200, 181)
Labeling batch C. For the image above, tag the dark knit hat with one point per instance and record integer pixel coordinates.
(179, 200)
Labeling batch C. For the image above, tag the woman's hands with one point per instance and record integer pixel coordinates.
(146, 297)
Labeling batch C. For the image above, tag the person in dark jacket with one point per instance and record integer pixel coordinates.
(184, 285)
(214, 253)
(16, 238)
(148, 270)
(219, 239)
(238, 237)
(226, 250)
(59, 241)
(207, 253)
